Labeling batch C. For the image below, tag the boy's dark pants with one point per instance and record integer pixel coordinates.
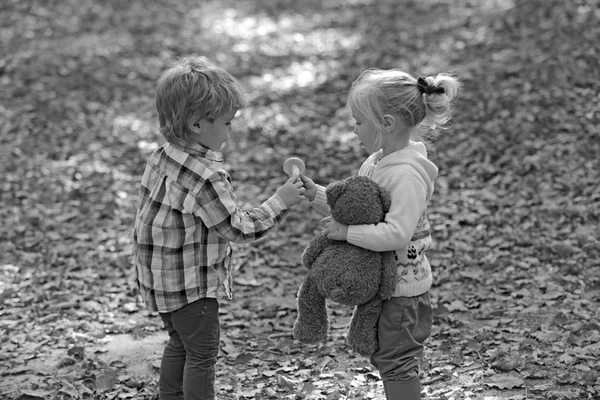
(187, 369)
(404, 324)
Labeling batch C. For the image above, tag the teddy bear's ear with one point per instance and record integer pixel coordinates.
(334, 191)
(386, 202)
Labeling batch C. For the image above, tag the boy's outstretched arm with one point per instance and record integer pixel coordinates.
(215, 204)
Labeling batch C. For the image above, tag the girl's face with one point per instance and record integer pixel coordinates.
(368, 134)
(214, 133)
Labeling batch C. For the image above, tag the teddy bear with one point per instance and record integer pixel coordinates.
(344, 273)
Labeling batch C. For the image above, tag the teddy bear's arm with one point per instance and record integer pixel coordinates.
(388, 275)
(314, 249)
(311, 324)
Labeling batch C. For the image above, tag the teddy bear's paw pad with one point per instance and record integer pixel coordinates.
(308, 340)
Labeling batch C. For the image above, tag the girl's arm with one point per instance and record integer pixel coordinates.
(320, 201)
(409, 200)
(315, 194)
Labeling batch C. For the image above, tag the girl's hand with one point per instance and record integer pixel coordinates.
(309, 185)
(292, 192)
(335, 230)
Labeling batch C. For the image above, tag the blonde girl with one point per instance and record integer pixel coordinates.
(393, 111)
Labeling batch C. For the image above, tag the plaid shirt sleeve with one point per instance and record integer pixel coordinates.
(216, 204)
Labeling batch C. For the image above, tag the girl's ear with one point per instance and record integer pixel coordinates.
(389, 122)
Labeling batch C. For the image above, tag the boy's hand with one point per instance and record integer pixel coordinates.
(292, 192)
(335, 230)
(309, 185)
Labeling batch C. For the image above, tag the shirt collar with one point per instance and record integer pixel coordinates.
(197, 149)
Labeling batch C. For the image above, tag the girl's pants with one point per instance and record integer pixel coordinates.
(187, 369)
(404, 324)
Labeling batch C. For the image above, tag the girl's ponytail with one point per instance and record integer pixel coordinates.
(438, 93)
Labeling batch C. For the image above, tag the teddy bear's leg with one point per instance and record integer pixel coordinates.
(312, 323)
(362, 335)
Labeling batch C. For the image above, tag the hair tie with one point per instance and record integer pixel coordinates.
(426, 88)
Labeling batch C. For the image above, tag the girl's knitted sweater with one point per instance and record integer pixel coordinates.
(407, 175)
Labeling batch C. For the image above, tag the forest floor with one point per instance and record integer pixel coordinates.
(516, 214)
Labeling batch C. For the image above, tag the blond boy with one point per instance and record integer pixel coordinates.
(187, 217)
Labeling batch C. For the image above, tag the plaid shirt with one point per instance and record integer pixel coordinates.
(186, 219)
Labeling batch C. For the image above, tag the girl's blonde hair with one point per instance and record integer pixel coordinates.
(194, 88)
(419, 102)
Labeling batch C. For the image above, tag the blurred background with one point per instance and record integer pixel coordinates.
(517, 197)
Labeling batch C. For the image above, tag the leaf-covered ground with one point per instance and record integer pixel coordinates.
(516, 215)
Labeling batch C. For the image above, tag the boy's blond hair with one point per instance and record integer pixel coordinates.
(192, 89)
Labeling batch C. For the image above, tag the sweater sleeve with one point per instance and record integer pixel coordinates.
(319, 203)
(409, 200)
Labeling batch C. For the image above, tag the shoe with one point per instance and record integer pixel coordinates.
(403, 390)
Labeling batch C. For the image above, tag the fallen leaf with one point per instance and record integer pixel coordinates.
(34, 394)
(106, 379)
(309, 388)
(457, 305)
(504, 381)
(243, 358)
(286, 383)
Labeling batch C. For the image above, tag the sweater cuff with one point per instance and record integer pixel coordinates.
(354, 236)
(319, 203)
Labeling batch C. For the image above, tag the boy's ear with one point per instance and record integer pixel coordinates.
(195, 126)
(389, 122)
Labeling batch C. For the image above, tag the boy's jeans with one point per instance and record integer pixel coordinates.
(187, 369)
